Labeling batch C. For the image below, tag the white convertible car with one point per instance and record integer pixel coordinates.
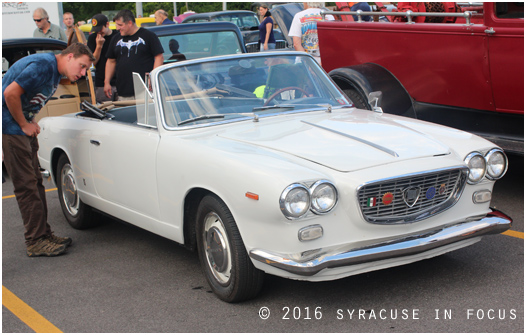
(262, 164)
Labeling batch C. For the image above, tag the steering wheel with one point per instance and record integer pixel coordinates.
(290, 88)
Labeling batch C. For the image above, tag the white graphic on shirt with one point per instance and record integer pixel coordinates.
(38, 99)
(130, 44)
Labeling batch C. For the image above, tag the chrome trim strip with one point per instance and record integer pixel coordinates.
(374, 145)
(494, 222)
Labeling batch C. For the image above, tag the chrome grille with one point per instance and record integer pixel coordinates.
(255, 46)
(281, 44)
(411, 198)
(252, 47)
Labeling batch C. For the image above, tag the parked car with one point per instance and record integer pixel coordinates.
(67, 98)
(260, 163)
(198, 40)
(247, 22)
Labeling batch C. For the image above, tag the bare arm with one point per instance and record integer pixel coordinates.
(111, 63)
(12, 95)
(98, 49)
(158, 60)
(268, 28)
(297, 43)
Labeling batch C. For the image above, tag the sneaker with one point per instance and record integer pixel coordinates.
(60, 240)
(45, 247)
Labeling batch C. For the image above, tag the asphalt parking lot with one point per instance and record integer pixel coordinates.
(118, 278)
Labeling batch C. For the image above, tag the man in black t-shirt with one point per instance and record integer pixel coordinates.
(99, 42)
(133, 49)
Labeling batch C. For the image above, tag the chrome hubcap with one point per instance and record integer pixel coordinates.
(217, 248)
(69, 190)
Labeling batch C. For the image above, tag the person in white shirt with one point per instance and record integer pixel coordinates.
(304, 29)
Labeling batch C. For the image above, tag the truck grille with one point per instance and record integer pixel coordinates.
(411, 198)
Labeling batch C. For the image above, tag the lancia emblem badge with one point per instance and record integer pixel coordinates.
(411, 195)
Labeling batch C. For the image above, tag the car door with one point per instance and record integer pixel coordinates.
(506, 55)
(123, 161)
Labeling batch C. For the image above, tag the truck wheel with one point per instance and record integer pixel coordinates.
(227, 266)
(78, 214)
(358, 99)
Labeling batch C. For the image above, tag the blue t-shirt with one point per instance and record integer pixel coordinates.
(39, 77)
(263, 31)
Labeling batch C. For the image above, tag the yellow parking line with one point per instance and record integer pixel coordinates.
(514, 233)
(27, 314)
(12, 196)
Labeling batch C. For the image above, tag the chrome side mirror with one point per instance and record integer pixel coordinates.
(375, 101)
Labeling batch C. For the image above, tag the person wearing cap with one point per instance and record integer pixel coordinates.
(99, 42)
(45, 28)
(161, 17)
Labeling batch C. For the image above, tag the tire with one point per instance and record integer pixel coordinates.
(224, 259)
(78, 214)
(358, 99)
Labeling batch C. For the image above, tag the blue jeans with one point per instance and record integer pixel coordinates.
(271, 46)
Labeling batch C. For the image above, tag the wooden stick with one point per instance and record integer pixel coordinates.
(82, 39)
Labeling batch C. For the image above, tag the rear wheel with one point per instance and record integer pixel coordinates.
(227, 266)
(78, 214)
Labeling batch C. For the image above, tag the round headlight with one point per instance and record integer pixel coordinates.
(477, 167)
(295, 201)
(323, 197)
(497, 164)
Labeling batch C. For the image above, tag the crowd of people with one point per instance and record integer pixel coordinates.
(114, 63)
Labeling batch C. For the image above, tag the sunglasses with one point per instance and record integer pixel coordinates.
(38, 20)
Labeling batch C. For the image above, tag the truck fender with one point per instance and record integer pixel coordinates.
(358, 81)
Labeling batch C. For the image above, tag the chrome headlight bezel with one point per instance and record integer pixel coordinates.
(314, 191)
(489, 170)
(474, 175)
(311, 192)
(286, 204)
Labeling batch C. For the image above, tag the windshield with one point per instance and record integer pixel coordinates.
(240, 87)
(199, 45)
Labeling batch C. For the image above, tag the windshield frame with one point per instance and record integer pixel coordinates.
(255, 116)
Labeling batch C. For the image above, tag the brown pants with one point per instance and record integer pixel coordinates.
(21, 162)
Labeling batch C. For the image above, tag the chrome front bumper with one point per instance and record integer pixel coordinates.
(494, 222)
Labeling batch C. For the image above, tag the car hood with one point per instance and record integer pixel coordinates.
(345, 142)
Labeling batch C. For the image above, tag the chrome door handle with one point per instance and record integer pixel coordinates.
(490, 31)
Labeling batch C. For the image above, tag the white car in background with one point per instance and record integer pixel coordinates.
(260, 163)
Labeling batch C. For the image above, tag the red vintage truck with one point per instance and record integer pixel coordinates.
(468, 74)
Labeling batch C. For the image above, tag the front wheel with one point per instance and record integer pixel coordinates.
(358, 99)
(78, 214)
(227, 266)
